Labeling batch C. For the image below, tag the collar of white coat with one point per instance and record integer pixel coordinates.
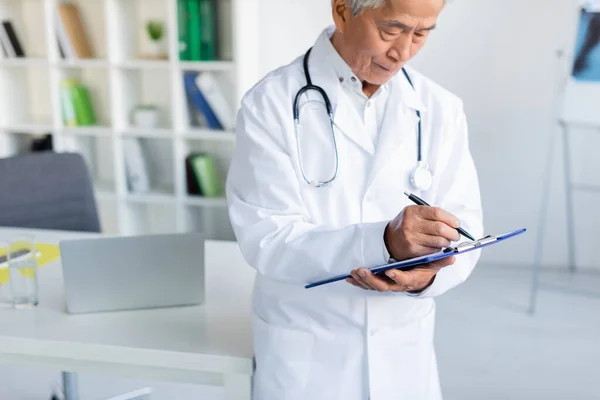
(327, 68)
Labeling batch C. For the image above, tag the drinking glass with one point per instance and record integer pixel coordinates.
(22, 266)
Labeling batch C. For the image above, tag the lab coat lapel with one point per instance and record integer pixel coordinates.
(347, 121)
(399, 128)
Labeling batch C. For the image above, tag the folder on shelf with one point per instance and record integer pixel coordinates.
(215, 97)
(183, 29)
(65, 48)
(66, 102)
(197, 29)
(73, 26)
(76, 104)
(208, 33)
(3, 53)
(135, 166)
(83, 105)
(202, 176)
(199, 101)
(194, 41)
(10, 40)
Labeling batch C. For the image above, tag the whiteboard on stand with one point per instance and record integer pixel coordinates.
(581, 99)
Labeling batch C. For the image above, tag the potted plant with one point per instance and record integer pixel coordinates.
(155, 31)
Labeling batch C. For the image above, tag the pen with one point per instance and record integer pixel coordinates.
(421, 202)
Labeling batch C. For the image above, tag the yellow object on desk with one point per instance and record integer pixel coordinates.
(46, 254)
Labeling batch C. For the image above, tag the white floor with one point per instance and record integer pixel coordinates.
(488, 346)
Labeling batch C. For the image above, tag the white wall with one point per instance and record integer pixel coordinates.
(500, 58)
(288, 28)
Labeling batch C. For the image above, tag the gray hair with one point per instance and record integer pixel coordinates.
(358, 5)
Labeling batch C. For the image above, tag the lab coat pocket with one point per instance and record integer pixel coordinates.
(413, 362)
(283, 358)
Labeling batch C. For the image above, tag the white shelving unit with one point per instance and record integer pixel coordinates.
(119, 78)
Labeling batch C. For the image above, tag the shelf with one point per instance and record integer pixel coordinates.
(152, 197)
(209, 134)
(144, 64)
(24, 62)
(82, 63)
(29, 128)
(104, 190)
(199, 201)
(160, 133)
(102, 131)
(121, 76)
(206, 65)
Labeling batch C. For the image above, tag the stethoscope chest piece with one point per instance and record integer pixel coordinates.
(421, 177)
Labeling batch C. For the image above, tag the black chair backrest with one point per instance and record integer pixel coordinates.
(47, 190)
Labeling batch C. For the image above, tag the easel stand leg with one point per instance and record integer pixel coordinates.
(569, 198)
(537, 264)
(70, 389)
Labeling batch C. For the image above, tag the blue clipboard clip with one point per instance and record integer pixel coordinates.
(461, 248)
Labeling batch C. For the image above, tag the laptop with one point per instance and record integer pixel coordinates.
(133, 272)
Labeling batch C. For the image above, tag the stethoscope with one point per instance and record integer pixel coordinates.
(420, 178)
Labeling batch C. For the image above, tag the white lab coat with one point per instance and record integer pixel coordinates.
(337, 341)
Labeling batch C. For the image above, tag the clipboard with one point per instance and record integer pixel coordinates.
(462, 248)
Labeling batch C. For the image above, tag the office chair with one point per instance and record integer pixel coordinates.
(47, 190)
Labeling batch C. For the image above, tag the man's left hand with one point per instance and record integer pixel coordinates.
(394, 280)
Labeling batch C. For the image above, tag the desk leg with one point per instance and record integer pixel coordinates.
(70, 389)
(238, 387)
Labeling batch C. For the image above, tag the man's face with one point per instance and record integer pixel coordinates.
(378, 42)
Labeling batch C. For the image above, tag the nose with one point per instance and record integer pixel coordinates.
(400, 50)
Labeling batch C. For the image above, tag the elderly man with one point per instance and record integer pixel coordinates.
(326, 148)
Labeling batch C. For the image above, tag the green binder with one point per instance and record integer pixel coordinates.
(205, 171)
(193, 7)
(208, 34)
(183, 29)
(66, 102)
(83, 105)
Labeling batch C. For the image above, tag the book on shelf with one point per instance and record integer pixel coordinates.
(197, 30)
(136, 168)
(10, 40)
(215, 97)
(202, 177)
(3, 53)
(76, 104)
(207, 98)
(71, 34)
(65, 48)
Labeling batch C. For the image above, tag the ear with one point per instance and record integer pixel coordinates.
(341, 14)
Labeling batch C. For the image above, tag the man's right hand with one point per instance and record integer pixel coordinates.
(420, 230)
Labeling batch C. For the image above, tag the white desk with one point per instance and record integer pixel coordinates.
(209, 344)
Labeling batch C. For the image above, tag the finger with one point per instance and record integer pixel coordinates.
(439, 214)
(353, 282)
(412, 280)
(360, 280)
(431, 243)
(374, 281)
(439, 229)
